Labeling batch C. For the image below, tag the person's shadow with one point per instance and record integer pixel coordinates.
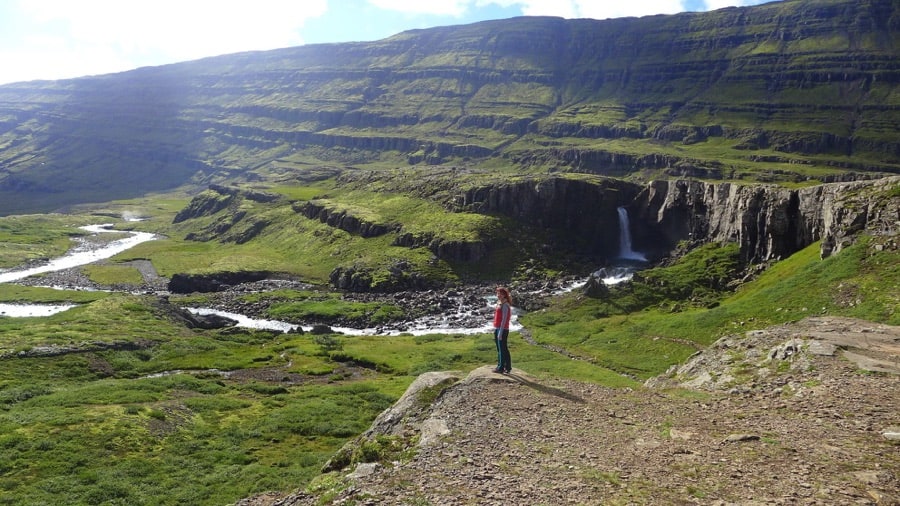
(544, 388)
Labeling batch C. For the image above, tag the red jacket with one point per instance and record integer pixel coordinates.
(501, 316)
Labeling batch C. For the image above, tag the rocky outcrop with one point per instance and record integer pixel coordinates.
(408, 414)
(734, 362)
(216, 282)
(450, 250)
(249, 194)
(228, 226)
(395, 278)
(769, 222)
(787, 435)
(206, 203)
(582, 212)
(343, 219)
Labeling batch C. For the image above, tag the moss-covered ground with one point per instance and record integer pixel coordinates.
(147, 411)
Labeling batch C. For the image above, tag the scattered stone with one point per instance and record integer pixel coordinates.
(892, 434)
(738, 438)
(364, 469)
(319, 329)
(822, 348)
(432, 430)
(682, 435)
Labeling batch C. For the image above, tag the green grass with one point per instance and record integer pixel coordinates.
(110, 319)
(157, 422)
(330, 306)
(82, 425)
(37, 237)
(116, 275)
(860, 282)
(39, 295)
(143, 441)
(292, 244)
(100, 427)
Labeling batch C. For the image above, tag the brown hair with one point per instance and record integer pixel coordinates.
(504, 294)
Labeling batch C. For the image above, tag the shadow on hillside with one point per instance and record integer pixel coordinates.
(545, 389)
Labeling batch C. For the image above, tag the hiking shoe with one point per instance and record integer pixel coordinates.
(498, 370)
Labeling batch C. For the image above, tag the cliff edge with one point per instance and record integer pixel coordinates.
(789, 415)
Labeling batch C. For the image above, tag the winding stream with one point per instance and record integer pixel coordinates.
(458, 322)
(422, 326)
(82, 254)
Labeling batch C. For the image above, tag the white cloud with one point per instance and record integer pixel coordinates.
(562, 8)
(455, 8)
(594, 8)
(99, 36)
(56, 39)
(54, 58)
(623, 8)
(189, 28)
(720, 4)
(597, 9)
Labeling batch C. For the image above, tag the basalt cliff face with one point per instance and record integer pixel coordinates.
(784, 91)
(581, 214)
(768, 222)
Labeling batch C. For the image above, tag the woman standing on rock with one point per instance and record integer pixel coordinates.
(502, 314)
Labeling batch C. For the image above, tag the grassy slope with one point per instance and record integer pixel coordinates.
(37, 237)
(95, 427)
(311, 250)
(859, 282)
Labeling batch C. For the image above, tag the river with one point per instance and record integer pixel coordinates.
(450, 323)
(82, 254)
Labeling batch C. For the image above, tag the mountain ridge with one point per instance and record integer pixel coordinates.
(785, 91)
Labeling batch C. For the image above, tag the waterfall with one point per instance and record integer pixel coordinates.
(625, 251)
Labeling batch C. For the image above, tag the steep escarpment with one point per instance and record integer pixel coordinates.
(768, 222)
(785, 91)
(558, 217)
(581, 212)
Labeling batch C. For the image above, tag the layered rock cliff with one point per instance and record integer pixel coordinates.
(768, 222)
(581, 212)
(784, 91)
(580, 215)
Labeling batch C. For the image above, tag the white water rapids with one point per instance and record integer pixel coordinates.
(422, 326)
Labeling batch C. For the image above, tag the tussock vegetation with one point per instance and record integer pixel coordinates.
(649, 329)
(130, 406)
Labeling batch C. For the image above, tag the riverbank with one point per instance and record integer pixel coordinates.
(464, 308)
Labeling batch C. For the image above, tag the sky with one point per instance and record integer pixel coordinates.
(59, 39)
